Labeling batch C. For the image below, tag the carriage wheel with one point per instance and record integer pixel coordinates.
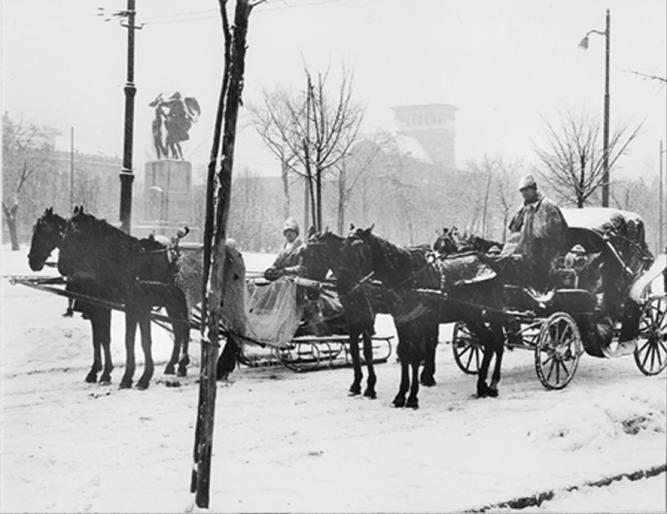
(468, 351)
(558, 350)
(651, 351)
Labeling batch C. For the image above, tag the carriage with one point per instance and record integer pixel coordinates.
(602, 305)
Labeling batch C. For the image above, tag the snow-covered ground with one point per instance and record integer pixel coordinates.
(297, 442)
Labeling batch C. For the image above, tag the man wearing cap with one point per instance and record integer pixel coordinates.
(537, 233)
(288, 261)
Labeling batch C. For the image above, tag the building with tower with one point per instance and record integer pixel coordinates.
(433, 127)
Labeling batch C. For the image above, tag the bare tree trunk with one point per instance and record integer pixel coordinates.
(306, 204)
(214, 240)
(10, 220)
(486, 204)
(340, 225)
(285, 178)
(318, 202)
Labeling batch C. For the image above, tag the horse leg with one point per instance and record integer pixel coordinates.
(404, 357)
(91, 377)
(130, 332)
(175, 350)
(499, 344)
(183, 332)
(105, 336)
(146, 342)
(413, 401)
(355, 388)
(368, 356)
(486, 338)
(227, 360)
(428, 373)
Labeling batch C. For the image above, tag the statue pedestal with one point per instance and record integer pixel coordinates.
(168, 198)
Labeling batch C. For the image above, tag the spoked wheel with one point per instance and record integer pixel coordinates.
(558, 350)
(651, 351)
(468, 351)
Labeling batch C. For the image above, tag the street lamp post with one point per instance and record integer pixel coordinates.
(126, 173)
(605, 129)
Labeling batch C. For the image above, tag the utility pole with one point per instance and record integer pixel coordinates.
(71, 170)
(126, 173)
(605, 129)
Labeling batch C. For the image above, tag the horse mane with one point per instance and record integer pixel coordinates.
(394, 265)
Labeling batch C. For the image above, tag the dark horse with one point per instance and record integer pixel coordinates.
(361, 299)
(402, 271)
(360, 303)
(134, 272)
(47, 235)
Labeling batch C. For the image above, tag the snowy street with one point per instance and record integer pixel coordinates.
(297, 442)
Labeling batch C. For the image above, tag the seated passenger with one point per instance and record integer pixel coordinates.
(289, 260)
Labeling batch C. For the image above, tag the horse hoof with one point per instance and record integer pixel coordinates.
(125, 384)
(91, 377)
(182, 371)
(492, 392)
(169, 370)
(399, 402)
(370, 394)
(142, 385)
(413, 403)
(482, 391)
(105, 380)
(355, 390)
(428, 381)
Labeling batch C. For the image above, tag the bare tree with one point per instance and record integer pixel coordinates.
(350, 170)
(651, 76)
(25, 154)
(270, 120)
(310, 133)
(573, 156)
(629, 194)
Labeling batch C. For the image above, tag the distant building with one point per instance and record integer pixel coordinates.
(433, 127)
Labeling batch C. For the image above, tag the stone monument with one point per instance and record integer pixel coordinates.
(168, 198)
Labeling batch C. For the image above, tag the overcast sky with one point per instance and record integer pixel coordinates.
(506, 64)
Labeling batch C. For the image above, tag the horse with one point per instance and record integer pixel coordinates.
(401, 270)
(47, 235)
(360, 302)
(127, 270)
(451, 241)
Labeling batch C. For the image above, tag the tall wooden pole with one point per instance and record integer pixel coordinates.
(126, 173)
(605, 128)
(217, 212)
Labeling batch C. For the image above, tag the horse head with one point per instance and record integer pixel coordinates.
(445, 244)
(74, 252)
(357, 259)
(47, 235)
(321, 254)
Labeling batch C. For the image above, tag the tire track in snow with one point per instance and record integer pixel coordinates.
(536, 500)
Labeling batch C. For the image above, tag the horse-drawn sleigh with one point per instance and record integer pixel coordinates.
(148, 274)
